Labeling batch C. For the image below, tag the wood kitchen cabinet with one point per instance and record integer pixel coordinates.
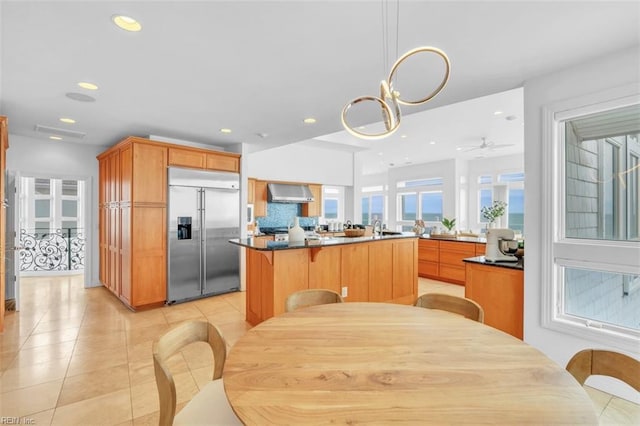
(260, 198)
(196, 158)
(251, 191)
(443, 259)
(133, 203)
(428, 258)
(314, 208)
(500, 292)
(133, 214)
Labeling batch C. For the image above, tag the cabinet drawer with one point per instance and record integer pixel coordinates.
(426, 268)
(428, 253)
(226, 163)
(186, 158)
(454, 246)
(455, 273)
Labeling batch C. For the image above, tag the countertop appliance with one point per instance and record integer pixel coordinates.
(204, 213)
(501, 245)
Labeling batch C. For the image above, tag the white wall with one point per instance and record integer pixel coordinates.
(46, 158)
(302, 163)
(606, 72)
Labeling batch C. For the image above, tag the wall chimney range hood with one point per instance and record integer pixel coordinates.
(289, 193)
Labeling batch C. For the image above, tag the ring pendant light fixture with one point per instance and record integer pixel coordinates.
(390, 100)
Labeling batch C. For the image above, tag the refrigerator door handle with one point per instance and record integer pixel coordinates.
(203, 240)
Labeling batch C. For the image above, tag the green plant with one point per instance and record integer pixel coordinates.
(494, 211)
(449, 223)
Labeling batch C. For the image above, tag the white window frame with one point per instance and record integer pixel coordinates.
(333, 193)
(558, 251)
(432, 184)
(375, 191)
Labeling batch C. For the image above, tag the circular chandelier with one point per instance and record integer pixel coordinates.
(390, 100)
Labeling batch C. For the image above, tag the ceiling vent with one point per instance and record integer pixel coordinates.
(48, 130)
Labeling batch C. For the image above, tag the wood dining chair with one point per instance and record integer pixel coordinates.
(209, 406)
(458, 305)
(316, 296)
(589, 362)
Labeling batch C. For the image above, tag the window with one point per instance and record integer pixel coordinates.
(333, 202)
(425, 201)
(510, 189)
(372, 209)
(592, 260)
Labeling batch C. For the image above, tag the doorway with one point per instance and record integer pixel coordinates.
(48, 228)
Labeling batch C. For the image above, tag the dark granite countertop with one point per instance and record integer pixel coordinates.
(444, 237)
(261, 244)
(510, 265)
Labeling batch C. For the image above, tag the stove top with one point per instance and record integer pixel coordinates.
(281, 230)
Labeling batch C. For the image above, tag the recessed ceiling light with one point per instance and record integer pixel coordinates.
(80, 97)
(432, 142)
(88, 86)
(55, 138)
(458, 149)
(127, 23)
(225, 130)
(309, 120)
(67, 120)
(379, 153)
(403, 136)
(497, 112)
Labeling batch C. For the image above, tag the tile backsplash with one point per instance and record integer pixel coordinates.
(282, 214)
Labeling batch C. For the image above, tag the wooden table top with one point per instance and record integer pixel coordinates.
(378, 363)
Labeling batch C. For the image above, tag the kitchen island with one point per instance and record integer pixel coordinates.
(362, 269)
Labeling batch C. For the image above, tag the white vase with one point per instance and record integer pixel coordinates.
(296, 233)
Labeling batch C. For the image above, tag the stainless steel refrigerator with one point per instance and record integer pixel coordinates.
(204, 213)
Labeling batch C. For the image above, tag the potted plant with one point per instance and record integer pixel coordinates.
(449, 224)
(494, 211)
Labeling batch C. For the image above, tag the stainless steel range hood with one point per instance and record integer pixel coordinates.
(289, 193)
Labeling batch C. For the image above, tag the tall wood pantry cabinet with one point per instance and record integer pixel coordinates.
(133, 214)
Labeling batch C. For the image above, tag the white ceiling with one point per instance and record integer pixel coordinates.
(260, 67)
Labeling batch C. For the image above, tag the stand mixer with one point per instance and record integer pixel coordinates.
(501, 246)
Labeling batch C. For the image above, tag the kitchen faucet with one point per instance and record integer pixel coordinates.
(377, 227)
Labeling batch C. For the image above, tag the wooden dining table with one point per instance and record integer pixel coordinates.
(378, 363)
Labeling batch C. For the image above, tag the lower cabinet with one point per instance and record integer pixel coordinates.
(380, 271)
(443, 260)
(500, 292)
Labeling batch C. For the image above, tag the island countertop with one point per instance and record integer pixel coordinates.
(509, 265)
(267, 245)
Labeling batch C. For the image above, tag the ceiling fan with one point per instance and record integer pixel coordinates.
(489, 146)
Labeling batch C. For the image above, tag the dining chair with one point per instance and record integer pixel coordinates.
(315, 296)
(590, 362)
(446, 302)
(209, 406)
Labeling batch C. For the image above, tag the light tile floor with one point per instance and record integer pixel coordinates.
(75, 356)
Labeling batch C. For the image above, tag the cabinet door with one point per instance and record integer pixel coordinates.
(355, 272)
(324, 268)
(223, 162)
(148, 255)
(125, 254)
(187, 158)
(149, 174)
(126, 173)
(260, 202)
(480, 249)
(251, 190)
(405, 276)
(381, 271)
(315, 208)
(500, 292)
